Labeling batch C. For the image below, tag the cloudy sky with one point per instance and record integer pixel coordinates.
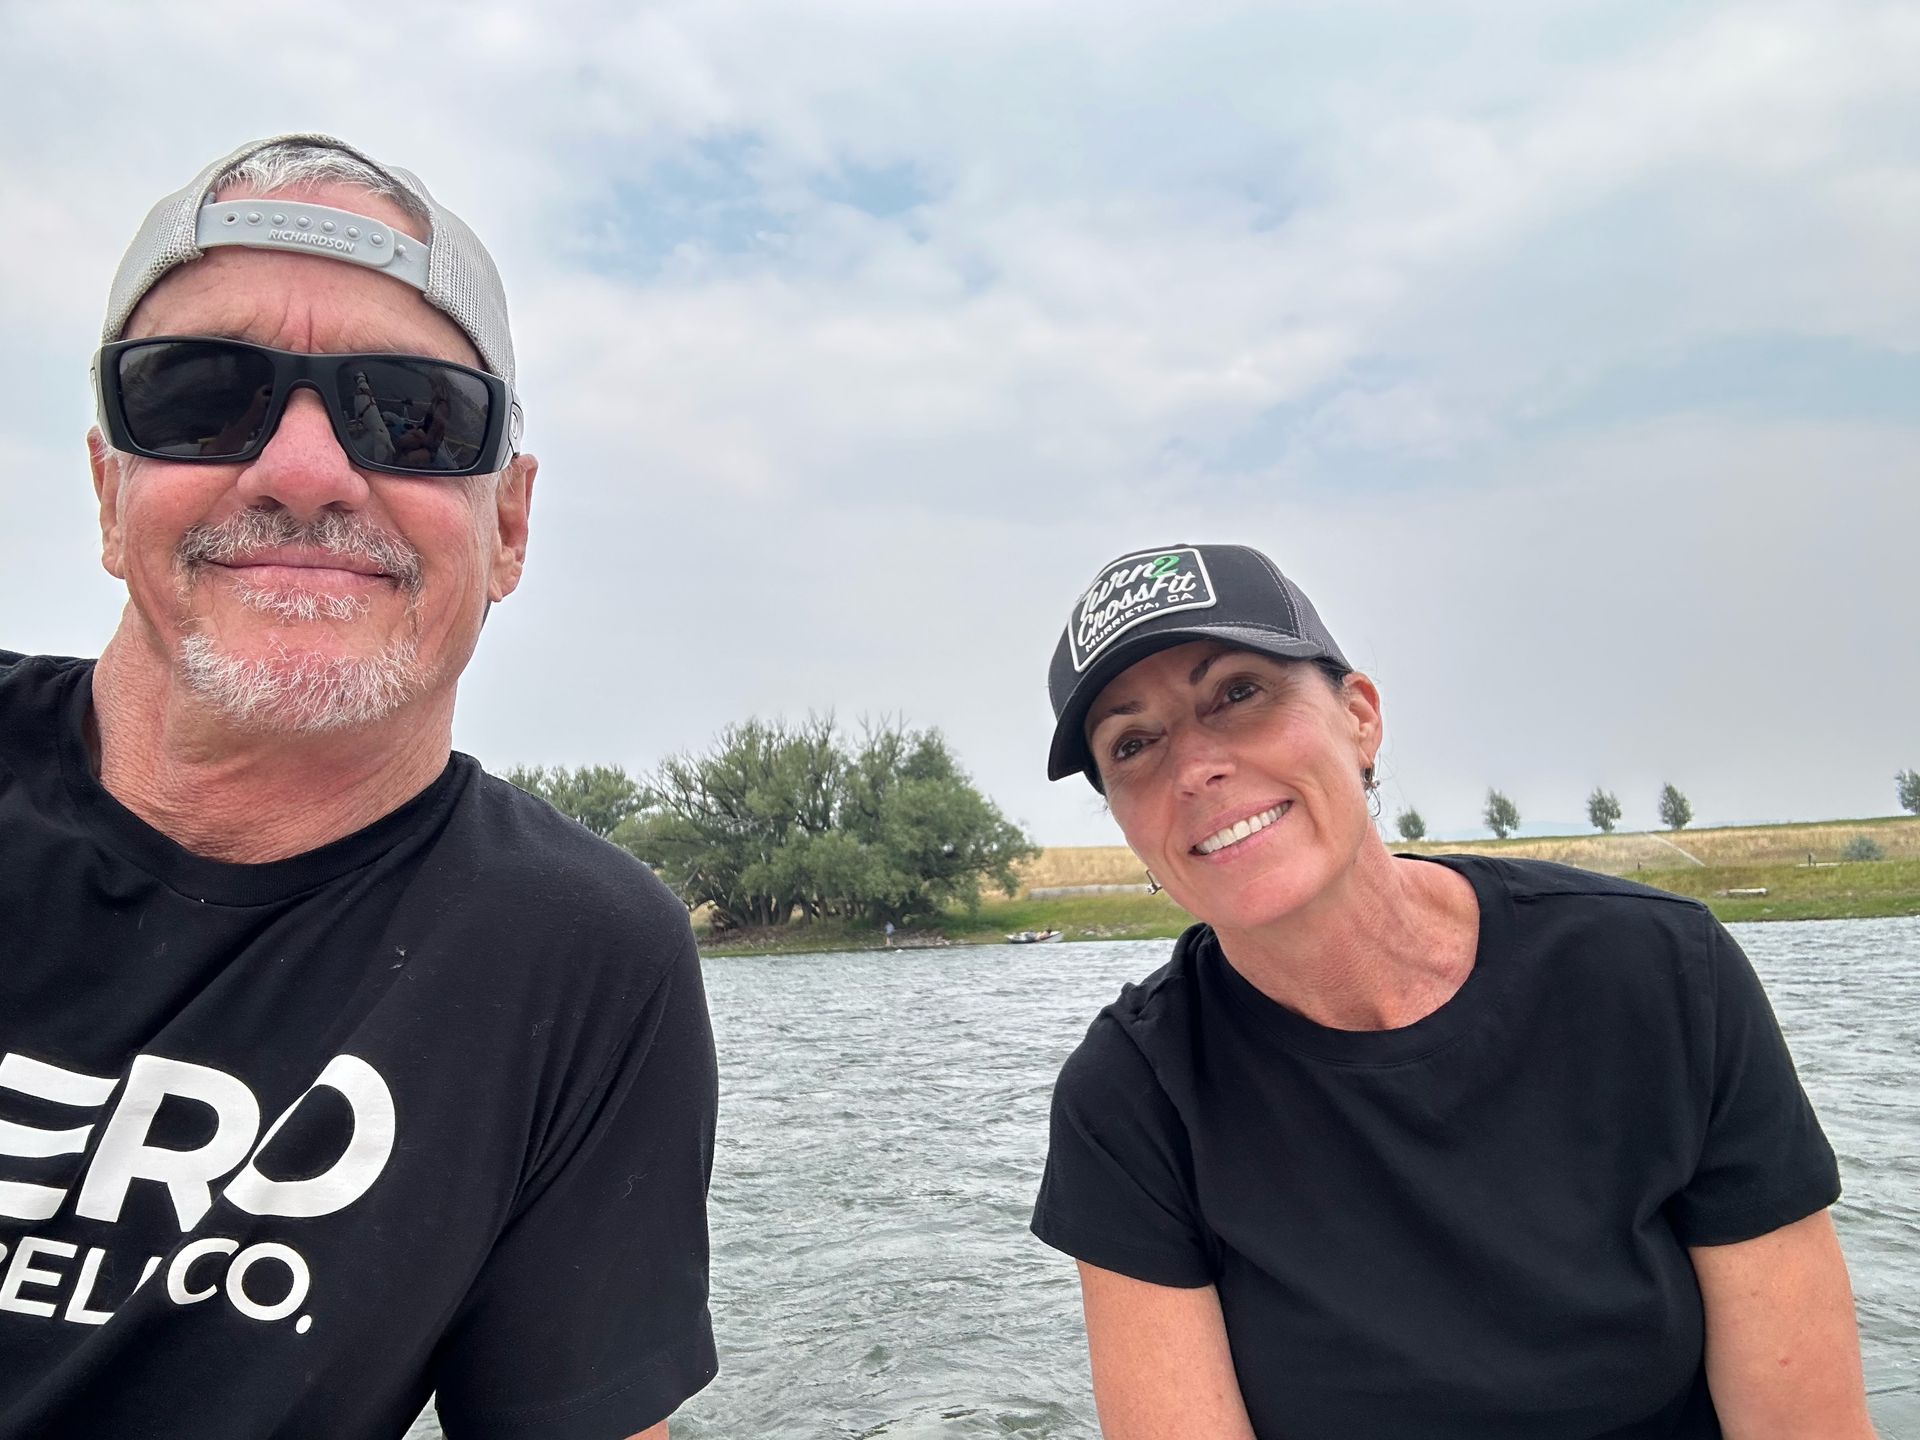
(1568, 355)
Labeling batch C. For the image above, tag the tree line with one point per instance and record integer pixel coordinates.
(778, 823)
(1502, 816)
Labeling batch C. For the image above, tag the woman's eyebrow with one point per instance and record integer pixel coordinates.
(1125, 707)
(1200, 670)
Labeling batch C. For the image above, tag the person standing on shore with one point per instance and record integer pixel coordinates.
(332, 1071)
(1448, 1147)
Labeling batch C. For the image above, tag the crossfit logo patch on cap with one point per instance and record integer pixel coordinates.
(1134, 589)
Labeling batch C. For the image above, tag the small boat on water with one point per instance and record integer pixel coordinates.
(1032, 937)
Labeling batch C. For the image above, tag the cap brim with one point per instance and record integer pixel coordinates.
(1069, 754)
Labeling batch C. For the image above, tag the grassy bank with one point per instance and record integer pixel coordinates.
(1704, 864)
(1081, 917)
(1852, 890)
(1855, 890)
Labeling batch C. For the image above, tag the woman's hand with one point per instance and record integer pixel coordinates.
(1161, 1367)
(1783, 1348)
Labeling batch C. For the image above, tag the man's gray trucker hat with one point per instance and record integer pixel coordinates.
(1152, 600)
(451, 268)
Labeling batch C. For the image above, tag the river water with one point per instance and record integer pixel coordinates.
(882, 1128)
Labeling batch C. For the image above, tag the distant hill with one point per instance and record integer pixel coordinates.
(1622, 853)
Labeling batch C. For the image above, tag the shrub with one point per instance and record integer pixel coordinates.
(1863, 847)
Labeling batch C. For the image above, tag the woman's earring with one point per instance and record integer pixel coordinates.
(1154, 887)
(1370, 783)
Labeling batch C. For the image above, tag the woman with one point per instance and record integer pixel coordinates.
(1406, 1147)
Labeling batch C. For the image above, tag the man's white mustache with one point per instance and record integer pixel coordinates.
(248, 531)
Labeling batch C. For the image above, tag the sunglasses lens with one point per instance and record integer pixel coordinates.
(195, 399)
(415, 414)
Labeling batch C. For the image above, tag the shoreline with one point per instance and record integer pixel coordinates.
(1093, 892)
(962, 936)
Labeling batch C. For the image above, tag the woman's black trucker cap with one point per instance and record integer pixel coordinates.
(1153, 600)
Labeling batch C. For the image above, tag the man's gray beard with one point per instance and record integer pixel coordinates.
(288, 691)
(299, 604)
(302, 694)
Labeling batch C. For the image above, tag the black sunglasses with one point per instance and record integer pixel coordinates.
(197, 399)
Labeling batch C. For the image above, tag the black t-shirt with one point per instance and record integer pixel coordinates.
(1475, 1226)
(430, 1107)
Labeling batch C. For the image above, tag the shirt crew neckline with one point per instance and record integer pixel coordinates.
(224, 882)
(1406, 1043)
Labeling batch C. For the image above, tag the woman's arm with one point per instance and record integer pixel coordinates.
(1783, 1348)
(1161, 1367)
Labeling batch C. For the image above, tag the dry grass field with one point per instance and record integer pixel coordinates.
(1620, 854)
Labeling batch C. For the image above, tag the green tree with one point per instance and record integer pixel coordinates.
(736, 826)
(1907, 787)
(601, 797)
(1675, 812)
(931, 839)
(1502, 815)
(1410, 825)
(1603, 810)
(780, 820)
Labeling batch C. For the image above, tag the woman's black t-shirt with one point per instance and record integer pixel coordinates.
(1475, 1226)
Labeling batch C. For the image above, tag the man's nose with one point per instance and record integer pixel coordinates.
(303, 466)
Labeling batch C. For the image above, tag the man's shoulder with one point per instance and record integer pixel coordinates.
(18, 666)
(530, 856)
(34, 692)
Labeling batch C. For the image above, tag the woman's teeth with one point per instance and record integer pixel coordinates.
(1234, 834)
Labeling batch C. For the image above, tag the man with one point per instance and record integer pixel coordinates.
(332, 1071)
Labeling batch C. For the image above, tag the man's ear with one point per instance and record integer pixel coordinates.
(513, 504)
(109, 478)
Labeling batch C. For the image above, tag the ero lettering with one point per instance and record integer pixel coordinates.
(125, 1153)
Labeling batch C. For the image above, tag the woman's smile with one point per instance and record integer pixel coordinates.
(1231, 836)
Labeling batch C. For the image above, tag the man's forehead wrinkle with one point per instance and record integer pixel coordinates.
(282, 301)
